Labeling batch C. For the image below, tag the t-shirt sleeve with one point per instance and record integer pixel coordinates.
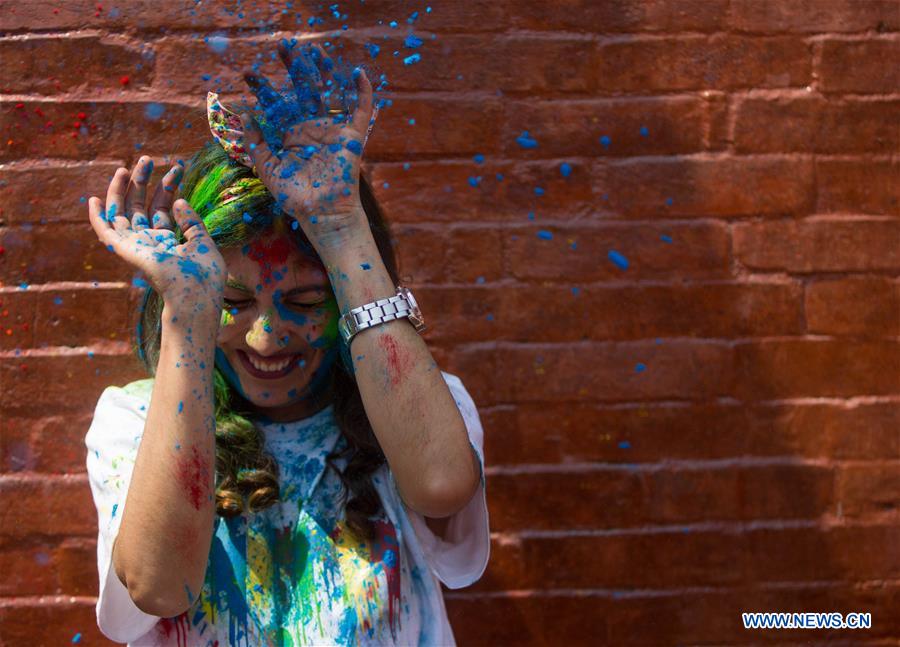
(112, 443)
(461, 555)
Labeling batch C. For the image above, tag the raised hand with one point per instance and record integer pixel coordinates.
(189, 275)
(314, 175)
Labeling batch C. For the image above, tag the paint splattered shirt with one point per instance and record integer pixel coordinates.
(293, 574)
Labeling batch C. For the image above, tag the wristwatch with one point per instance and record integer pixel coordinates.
(381, 311)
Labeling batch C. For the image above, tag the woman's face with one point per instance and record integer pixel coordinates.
(278, 337)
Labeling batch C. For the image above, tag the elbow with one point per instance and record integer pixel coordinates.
(155, 601)
(447, 494)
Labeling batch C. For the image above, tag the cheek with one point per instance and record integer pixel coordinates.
(231, 328)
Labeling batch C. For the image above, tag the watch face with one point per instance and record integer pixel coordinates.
(415, 315)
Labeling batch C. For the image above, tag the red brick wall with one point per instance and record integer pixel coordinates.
(712, 429)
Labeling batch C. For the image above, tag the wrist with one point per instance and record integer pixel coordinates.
(194, 324)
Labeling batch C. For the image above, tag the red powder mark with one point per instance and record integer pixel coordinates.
(82, 116)
(399, 360)
(386, 549)
(269, 256)
(124, 80)
(179, 624)
(194, 476)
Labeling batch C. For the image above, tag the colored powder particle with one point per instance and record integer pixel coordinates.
(354, 147)
(606, 141)
(644, 131)
(154, 111)
(639, 367)
(490, 317)
(76, 638)
(366, 266)
(565, 169)
(414, 15)
(114, 508)
(412, 121)
(269, 255)
(412, 42)
(499, 177)
(624, 445)
(543, 234)
(479, 158)
(576, 291)
(538, 191)
(669, 202)
(412, 59)
(393, 24)
(475, 181)
(479, 280)
(526, 141)
(405, 166)
(202, 249)
(180, 407)
(618, 259)
(57, 301)
(218, 44)
(666, 238)
(138, 282)
(373, 49)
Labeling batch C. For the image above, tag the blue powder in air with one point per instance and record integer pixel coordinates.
(543, 234)
(526, 141)
(618, 259)
(412, 42)
(414, 58)
(565, 169)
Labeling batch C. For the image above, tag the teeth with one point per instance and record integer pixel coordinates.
(270, 367)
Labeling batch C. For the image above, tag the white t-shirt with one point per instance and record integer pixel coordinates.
(293, 573)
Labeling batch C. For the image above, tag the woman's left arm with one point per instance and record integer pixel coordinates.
(408, 403)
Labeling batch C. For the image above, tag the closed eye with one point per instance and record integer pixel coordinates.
(239, 304)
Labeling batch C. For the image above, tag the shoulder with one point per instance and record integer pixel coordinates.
(120, 412)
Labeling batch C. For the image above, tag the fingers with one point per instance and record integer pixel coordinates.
(101, 227)
(136, 193)
(363, 117)
(163, 197)
(188, 221)
(304, 77)
(115, 201)
(259, 151)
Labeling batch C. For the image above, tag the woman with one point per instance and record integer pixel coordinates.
(294, 473)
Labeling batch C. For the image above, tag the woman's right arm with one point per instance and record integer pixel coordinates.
(161, 550)
(162, 546)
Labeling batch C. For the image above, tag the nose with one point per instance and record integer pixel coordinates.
(265, 336)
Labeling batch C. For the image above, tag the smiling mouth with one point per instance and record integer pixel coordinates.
(271, 368)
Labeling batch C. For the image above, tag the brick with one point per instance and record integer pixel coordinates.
(43, 64)
(858, 186)
(721, 187)
(72, 317)
(50, 567)
(533, 619)
(142, 15)
(643, 15)
(472, 16)
(533, 313)
(870, 307)
(79, 379)
(548, 433)
(111, 129)
(866, 491)
(813, 16)
(47, 506)
(582, 254)
(443, 191)
(643, 65)
(48, 253)
(17, 319)
(52, 191)
(561, 128)
(821, 245)
(590, 371)
(53, 444)
(51, 621)
(815, 368)
(443, 126)
(460, 255)
(860, 65)
(815, 125)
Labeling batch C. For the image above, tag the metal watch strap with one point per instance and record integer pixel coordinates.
(381, 311)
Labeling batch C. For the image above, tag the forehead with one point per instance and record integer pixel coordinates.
(272, 261)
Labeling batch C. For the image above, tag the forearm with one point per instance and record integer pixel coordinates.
(407, 401)
(163, 543)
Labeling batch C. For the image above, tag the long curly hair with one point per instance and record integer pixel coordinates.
(246, 474)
